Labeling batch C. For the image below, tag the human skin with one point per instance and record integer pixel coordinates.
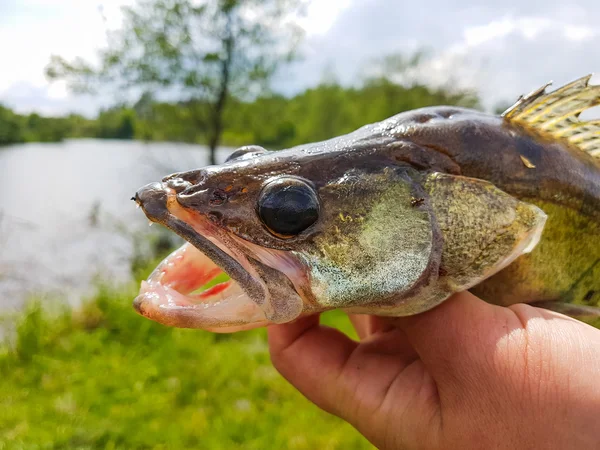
(466, 374)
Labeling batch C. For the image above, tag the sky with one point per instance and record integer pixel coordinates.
(501, 48)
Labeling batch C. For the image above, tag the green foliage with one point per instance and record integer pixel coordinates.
(273, 121)
(329, 110)
(102, 377)
(116, 123)
(30, 332)
(81, 127)
(10, 127)
(16, 128)
(318, 113)
(170, 122)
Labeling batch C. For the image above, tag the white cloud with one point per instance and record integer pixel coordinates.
(58, 91)
(321, 15)
(511, 56)
(479, 34)
(580, 33)
(528, 27)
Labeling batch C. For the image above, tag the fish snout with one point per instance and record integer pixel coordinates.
(152, 198)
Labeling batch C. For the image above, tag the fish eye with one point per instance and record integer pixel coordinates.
(288, 206)
(247, 152)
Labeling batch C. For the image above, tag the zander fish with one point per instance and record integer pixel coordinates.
(390, 219)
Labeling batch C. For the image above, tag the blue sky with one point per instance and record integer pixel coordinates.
(501, 49)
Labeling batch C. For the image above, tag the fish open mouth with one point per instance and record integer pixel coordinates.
(170, 294)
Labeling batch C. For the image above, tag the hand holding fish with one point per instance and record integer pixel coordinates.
(466, 374)
(392, 220)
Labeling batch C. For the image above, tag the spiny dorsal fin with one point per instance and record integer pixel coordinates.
(555, 115)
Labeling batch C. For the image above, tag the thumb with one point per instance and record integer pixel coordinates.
(455, 337)
(312, 357)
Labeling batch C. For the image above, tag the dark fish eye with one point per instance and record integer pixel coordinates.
(288, 206)
(247, 152)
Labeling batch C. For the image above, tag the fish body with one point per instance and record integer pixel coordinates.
(390, 219)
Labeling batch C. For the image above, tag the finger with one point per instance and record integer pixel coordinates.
(367, 325)
(312, 358)
(360, 322)
(453, 338)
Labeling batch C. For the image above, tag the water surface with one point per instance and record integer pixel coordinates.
(66, 213)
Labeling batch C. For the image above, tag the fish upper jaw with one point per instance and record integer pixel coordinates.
(250, 299)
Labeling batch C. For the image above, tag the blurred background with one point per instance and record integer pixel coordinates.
(98, 98)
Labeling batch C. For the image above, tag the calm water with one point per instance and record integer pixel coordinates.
(65, 211)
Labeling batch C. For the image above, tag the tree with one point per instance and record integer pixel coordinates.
(116, 123)
(10, 127)
(203, 52)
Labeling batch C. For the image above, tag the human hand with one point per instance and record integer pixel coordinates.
(466, 374)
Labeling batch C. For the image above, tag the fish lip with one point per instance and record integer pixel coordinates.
(155, 199)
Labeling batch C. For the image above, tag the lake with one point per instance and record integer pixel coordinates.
(65, 211)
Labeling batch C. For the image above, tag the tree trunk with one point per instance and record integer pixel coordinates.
(219, 106)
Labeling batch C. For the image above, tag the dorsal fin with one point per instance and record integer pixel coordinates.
(555, 115)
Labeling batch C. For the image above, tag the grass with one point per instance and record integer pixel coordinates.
(102, 377)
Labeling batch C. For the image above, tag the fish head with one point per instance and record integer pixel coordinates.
(331, 225)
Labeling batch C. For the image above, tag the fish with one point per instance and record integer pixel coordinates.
(390, 220)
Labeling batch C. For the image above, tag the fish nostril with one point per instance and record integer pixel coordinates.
(178, 184)
(218, 198)
(192, 176)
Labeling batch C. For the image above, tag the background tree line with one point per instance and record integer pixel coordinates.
(15, 128)
(272, 120)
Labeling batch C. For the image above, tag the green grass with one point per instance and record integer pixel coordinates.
(102, 377)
